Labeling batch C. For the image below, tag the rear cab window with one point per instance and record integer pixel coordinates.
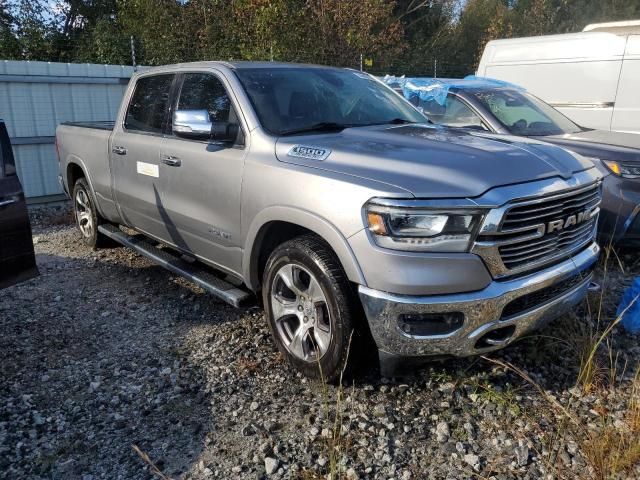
(149, 105)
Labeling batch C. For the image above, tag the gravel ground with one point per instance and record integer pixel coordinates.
(105, 351)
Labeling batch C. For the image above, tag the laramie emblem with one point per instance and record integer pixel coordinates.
(571, 220)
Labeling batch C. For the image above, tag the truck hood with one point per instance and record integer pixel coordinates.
(602, 144)
(431, 161)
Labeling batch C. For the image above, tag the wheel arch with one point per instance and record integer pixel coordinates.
(76, 169)
(276, 225)
(74, 172)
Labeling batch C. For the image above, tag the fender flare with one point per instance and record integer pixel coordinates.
(302, 218)
(75, 160)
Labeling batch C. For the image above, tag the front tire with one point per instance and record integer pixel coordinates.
(86, 215)
(310, 307)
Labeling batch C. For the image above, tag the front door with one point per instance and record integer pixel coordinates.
(17, 259)
(201, 180)
(135, 154)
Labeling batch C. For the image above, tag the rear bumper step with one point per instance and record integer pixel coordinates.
(193, 272)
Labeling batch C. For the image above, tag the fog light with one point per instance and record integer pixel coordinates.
(426, 324)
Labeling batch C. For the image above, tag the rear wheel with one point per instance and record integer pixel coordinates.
(86, 215)
(309, 305)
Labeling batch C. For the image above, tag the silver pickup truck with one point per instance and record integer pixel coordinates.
(328, 196)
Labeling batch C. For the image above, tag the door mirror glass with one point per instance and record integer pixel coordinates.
(192, 124)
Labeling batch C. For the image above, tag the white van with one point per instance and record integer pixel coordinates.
(593, 76)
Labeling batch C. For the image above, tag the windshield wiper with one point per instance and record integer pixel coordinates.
(318, 127)
(398, 121)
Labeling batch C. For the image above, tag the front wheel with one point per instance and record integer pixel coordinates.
(309, 304)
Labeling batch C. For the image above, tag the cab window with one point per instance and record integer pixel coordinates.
(204, 91)
(149, 104)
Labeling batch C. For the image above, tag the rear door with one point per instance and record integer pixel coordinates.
(135, 154)
(17, 259)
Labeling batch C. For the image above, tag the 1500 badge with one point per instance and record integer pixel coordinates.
(307, 151)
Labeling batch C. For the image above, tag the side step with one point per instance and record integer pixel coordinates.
(196, 273)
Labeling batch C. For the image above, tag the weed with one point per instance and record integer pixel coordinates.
(152, 466)
(505, 398)
(247, 365)
(337, 442)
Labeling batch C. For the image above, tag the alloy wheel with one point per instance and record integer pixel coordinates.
(301, 312)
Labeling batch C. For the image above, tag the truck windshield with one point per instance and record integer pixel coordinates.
(523, 114)
(309, 99)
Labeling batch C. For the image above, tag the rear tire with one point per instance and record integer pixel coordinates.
(87, 217)
(310, 307)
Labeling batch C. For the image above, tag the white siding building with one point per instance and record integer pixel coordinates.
(37, 96)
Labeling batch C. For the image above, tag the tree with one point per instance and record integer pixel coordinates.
(33, 31)
(428, 28)
(342, 31)
(9, 45)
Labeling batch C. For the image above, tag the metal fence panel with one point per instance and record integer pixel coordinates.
(35, 97)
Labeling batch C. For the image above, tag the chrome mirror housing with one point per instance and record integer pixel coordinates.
(192, 124)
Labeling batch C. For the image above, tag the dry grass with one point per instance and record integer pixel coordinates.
(612, 448)
(337, 443)
(615, 448)
(247, 365)
(152, 466)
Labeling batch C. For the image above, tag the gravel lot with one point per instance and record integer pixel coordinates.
(105, 351)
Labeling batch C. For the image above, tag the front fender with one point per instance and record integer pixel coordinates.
(303, 218)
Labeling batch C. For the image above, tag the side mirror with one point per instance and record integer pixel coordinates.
(197, 125)
(192, 124)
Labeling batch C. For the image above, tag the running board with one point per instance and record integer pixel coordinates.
(195, 273)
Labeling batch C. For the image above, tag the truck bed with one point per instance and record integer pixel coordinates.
(102, 125)
(88, 142)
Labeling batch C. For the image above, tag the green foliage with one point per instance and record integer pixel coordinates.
(9, 46)
(413, 37)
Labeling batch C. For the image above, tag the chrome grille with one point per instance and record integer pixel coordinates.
(528, 234)
(544, 212)
(550, 209)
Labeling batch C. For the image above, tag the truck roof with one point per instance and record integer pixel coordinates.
(234, 65)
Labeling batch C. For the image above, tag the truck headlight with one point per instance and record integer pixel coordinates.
(422, 230)
(622, 170)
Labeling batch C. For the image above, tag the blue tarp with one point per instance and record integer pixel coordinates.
(435, 89)
(630, 307)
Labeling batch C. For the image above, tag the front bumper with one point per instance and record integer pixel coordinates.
(492, 317)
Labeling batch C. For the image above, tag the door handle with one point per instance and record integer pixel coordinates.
(7, 202)
(171, 160)
(119, 150)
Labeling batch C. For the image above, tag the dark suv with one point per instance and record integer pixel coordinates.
(17, 259)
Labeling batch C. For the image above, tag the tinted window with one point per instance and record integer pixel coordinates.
(7, 165)
(454, 113)
(523, 114)
(289, 99)
(149, 104)
(202, 91)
